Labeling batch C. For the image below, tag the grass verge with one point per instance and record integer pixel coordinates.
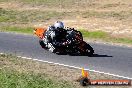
(14, 79)
(22, 73)
(100, 35)
(28, 30)
(8, 15)
(12, 75)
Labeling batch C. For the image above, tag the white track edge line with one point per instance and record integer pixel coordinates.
(73, 67)
(78, 68)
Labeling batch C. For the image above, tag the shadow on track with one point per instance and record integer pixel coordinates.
(94, 55)
(98, 55)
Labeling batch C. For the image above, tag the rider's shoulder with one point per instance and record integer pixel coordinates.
(51, 28)
(69, 29)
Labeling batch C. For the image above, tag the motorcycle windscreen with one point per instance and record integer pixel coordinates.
(39, 32)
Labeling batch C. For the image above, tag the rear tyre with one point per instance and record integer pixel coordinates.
(80, 35)
(89, 50)
(61, 51)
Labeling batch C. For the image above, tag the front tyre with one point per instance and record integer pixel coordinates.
(42, 44)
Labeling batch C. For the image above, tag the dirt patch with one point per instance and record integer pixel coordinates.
(113, 27)
(113, 17)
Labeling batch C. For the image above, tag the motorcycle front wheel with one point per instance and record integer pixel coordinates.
(42, 44)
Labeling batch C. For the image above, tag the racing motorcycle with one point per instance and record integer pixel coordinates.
(76, 46)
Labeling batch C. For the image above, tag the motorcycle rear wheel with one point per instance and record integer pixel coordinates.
(89, 50)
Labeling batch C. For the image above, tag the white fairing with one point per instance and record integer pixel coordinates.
(45, 40)
(51, 47)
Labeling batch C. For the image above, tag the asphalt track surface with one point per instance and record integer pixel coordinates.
(110, 59)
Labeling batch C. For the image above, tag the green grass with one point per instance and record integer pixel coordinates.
(3, 18)
(121, 15)
(95, 34)
(29, 16)
(42, 16)
(26, 17)
(28, 30)
(10, 77)
(14, 79)
(78, 4)
(100, 35)
(122, 40)
(51, 3)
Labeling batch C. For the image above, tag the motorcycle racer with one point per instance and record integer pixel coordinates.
(60, 40)
(54, 36)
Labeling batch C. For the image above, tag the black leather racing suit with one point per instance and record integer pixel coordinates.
(54, 38)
